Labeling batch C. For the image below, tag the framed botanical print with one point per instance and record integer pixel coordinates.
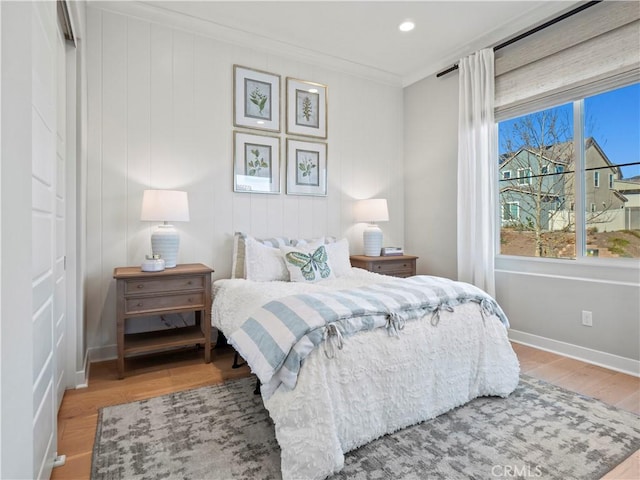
(256, 101)
(256, 163)
(306, 168)
(306, 108)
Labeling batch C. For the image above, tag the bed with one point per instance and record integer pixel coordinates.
(355, 387)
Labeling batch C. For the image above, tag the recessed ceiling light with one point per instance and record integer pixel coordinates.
(406, 26)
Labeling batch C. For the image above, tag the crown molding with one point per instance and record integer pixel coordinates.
(222, 33)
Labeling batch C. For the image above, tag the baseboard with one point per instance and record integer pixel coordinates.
(82, 376)
(100, 354)
(595, 357)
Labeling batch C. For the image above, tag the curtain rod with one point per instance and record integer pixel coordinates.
(517, 38)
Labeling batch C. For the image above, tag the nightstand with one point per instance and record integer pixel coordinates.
(185, 288)
(394, 265)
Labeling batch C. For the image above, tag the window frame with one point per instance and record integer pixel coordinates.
(611, 268)
(526, 178)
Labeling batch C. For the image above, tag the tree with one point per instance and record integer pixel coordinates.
(540, 153)
(538, 178)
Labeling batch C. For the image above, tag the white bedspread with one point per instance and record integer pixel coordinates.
(377, 384)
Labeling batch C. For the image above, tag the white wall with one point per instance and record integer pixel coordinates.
(160, 116)
(431, 156)
(543, 299)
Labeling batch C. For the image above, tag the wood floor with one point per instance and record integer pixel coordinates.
(158, 375)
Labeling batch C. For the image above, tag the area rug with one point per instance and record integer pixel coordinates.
(224, 432)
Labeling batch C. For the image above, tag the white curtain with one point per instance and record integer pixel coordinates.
(477, 169)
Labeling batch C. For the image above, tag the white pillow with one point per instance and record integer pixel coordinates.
(339, 257)
(264, 263)
(238, 267)
(307, 263)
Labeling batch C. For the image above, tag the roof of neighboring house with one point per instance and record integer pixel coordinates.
(560, 153)
(527, 191)
(628, 186)
(507, 157)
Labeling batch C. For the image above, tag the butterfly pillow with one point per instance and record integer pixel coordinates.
(307, 263)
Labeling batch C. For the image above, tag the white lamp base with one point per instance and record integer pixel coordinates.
(372, 238)
(165, 241)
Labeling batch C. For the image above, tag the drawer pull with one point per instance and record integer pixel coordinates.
(139, 304)
(379, 267)
(140, 285)
(189, 282)
(404, 265)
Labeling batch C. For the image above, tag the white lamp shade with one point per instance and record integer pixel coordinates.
(371, 210)
(165, 206)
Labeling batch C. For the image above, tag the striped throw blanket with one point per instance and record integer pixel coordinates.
(277, 337)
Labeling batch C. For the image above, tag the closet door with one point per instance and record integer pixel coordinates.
(48, 230)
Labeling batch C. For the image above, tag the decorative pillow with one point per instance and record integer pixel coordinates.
(240, 254)
(298, 242)
(338, 253)
(264, 263)
(307, 264)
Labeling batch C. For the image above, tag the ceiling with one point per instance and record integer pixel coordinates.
(362, 36)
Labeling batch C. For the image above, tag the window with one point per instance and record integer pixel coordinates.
(506, 175)
(554, 206)
(524, 176)
(510, 212)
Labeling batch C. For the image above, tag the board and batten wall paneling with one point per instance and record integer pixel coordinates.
(160, 115)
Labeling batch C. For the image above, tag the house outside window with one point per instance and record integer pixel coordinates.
(551, 169)
(506, 175)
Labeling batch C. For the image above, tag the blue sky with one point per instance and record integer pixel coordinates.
(616, 125)
(613, 119)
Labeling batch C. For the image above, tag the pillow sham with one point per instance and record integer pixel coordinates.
(307, 263)
(238, 260)
(240, 251)
(264, 263)
(338, 253)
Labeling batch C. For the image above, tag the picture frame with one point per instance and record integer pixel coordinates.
(256, 163)
(256, 101)
(306, 108)
(306, 168)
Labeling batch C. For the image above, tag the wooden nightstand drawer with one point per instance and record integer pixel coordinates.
(396, 266)
(154, 304)
(153, 285)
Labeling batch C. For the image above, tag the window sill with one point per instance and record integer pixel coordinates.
(622, 271)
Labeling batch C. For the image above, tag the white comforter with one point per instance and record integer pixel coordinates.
(377, 384)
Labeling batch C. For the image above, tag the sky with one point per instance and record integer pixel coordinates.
(613, 119)
(616, 125)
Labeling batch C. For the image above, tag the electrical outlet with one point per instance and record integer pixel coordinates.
(587, 318)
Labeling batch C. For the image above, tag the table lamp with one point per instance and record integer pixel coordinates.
(165, 206)
(371, 211)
